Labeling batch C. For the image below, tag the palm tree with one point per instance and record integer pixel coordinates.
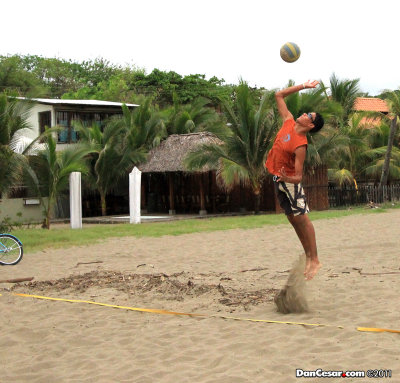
(13, 121)
(377, 158)
(105, 156)
(393, 99)
(193, 117)
(346, 161)
(357, 136)
(50, 169)
(144, 126)
(344, 92)
(241, 156)
(341, 177)
(327, 148)
(123, 143)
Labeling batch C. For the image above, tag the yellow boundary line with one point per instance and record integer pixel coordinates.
(166, 312)
(155, 311)
(159, 311)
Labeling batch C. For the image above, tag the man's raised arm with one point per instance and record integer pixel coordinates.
(280, 95)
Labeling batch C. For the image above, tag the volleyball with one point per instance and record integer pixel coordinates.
(290, 52)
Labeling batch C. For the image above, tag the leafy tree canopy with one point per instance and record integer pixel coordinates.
(34, 76)
(16, 79)
(186, 88)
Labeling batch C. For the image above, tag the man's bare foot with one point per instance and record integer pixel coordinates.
(308, 265)
(312, 267)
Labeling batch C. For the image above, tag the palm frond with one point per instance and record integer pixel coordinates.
(230, 173)
(206, 155)
(252, 123)
(340, 176)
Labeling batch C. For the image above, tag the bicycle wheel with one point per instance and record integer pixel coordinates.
(11, 250)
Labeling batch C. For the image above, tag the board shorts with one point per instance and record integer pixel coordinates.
(291, 197)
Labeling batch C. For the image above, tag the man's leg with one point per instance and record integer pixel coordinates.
(306, 233)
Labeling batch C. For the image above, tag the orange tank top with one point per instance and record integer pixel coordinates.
(282, 152)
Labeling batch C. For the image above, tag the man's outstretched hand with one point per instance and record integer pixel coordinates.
(310, 84)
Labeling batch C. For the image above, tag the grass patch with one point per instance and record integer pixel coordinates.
(35, 239)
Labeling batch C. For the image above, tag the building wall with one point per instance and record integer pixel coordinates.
(33, 118)
(16, 211)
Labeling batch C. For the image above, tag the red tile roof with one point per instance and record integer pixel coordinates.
(370, 104)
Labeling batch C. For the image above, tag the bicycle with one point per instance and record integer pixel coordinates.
(11, 249)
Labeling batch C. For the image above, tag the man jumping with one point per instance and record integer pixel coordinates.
(285, 162)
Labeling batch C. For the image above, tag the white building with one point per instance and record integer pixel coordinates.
(50, 113)
(57, 112)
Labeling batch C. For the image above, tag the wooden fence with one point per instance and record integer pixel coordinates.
(364, 194)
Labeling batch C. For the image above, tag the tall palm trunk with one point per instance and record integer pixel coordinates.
(103, 203)
(48, 212)
(46, 223)
(257, 202)
(386, 164)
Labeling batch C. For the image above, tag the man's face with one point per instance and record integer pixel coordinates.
(306, 119)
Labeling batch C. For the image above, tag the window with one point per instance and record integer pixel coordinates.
(65, 119)
(18, 192)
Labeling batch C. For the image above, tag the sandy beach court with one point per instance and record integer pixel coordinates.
(227, 273)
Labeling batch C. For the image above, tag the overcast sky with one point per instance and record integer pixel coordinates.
(229, 39)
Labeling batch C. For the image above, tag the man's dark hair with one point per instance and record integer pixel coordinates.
(318, 123)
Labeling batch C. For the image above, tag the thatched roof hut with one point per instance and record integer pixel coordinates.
(170, 155)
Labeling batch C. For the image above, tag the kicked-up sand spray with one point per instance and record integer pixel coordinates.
(292, 298)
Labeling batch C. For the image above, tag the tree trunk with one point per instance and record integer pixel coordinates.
(103, 203)
(386, 164)
(46, 223)
(47, 213)
(257, 195)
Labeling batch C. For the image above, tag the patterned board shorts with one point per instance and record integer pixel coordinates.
(291, 198)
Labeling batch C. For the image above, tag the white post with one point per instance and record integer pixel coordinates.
(75, 200)
(134, 195)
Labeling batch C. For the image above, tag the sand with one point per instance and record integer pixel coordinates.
(230, 273)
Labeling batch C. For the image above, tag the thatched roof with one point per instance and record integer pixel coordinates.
(169, 156)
